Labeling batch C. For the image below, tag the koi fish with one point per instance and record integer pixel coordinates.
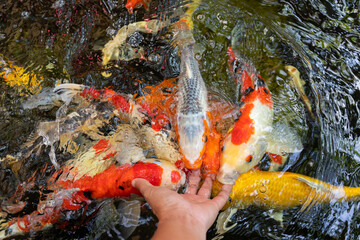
(253, 133)
(277, 191)
(245, 144)
(283, 190)
(15, 76)
(191, 110)
(132, 4)
(114, 182)
(211, 160)
(298, 83)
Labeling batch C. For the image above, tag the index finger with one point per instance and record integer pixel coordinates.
(222, 197)
(143, 186)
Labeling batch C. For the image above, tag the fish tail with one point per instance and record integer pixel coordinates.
(351, 193)
(243, 71)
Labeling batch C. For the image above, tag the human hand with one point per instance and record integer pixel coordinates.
(194, 208)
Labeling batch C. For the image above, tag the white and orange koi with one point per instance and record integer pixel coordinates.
(71, 195)
(246, 143)
(191, 110)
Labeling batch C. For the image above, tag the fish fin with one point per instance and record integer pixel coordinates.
(68, 90)
(318, 187)
(130, 216)
(224, 219)
(298, 84)
(309, 203)
(283, 139)
(277, 215)
(119, 217)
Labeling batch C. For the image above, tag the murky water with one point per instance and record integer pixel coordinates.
(61, 41)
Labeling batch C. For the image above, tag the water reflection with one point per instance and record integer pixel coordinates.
(61, 41)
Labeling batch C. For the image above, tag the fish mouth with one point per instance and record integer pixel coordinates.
(192, 164)
(227, 175)
(192, 138)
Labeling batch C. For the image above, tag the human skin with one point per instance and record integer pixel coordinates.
(183, 216)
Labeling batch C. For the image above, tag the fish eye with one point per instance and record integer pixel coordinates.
(249, 159)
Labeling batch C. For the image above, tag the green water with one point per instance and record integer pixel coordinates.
(61, 41)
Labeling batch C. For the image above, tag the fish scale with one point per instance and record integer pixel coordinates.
(191, 109)
(284, 190)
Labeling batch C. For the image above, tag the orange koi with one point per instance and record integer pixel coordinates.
(211, 161)
(113, 182)
(132, 4)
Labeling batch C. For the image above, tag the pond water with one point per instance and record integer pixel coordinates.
(61, 41)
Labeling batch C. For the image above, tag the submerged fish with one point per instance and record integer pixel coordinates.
(132, 4)
(74, 195)
(253, 133)
(283, 190)
(15, 76)
(246, 142)
(191, 110)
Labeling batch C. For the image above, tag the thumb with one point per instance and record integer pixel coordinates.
(143, 186)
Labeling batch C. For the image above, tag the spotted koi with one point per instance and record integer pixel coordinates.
(245, 144)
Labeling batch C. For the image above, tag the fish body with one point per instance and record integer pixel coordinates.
(246, 143)
(191, 109)
(283, 190)
(114, 182)
(26, 82)
(132, 4)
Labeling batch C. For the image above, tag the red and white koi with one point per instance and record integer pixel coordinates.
(246, 143)
(124, 104)
(114, 182)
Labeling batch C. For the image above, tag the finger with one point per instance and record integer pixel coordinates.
(194, 180)
(143, 186)
(223, 196)
(205, 189)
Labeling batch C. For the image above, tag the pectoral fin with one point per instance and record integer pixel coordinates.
(224, 219)
(277, 215)
(121, 218)
(283, 139)
(311, 201)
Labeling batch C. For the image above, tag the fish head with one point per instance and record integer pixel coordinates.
(191, 130)
(239, 159)
(172, 177)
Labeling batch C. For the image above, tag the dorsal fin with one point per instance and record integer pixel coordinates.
(315, 185)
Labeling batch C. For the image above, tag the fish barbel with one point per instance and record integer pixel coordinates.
(283, 190)
(191, 109)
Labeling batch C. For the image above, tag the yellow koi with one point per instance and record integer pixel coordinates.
(15, 76)
(284, 190)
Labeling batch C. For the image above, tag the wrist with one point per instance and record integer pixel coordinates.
(182, 226)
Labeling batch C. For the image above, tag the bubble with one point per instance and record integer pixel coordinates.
(262, 189)
(198, 56)
(200, 17)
